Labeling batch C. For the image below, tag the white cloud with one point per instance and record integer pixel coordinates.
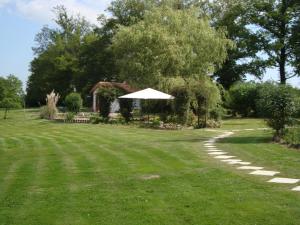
(4, 3)
(41, 10)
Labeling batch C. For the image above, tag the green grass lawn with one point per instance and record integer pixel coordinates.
(55, 173)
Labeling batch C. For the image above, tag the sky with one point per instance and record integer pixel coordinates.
(21, 20)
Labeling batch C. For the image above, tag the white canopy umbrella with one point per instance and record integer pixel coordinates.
(148, 93)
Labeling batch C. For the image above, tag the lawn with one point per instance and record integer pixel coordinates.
(55, 173)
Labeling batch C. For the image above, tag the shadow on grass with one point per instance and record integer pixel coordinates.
(187, 140)
(246, 140)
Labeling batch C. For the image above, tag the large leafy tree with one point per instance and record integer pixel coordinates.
(57, 62)
(295, 39)
(168, 43)
(273, 20)
(244, 59)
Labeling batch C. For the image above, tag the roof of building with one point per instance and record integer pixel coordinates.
(104, 84)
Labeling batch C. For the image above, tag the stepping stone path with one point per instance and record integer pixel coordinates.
(213, 151)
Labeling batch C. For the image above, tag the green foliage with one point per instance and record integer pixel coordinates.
(45, 112)
(70, 116)
(295, 40)
(274, 22)
(241, 98)
(205, 97)
(11, 93)
(57, 62)
(168, 43)
(126, 109)
(182, 103)
(278, 104)
(73, 102)
(292, 136)
(242, 60)
(106, 97)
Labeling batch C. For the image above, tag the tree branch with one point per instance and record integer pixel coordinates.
(292, 76)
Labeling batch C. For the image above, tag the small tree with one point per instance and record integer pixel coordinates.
(11, 93)
(9, 103)
(106, 97)
(279, 106)
(73, 102)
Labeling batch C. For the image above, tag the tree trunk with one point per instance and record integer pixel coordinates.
(283, 35)
(282, 64)
(5, 114)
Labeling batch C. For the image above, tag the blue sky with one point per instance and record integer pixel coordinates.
(21, 20)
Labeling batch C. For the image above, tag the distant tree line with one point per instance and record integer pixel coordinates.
(149, 42)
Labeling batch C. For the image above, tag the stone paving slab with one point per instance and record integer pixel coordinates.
(209, 144)
(224, 157)
(240, 163)
(217, 153)
(264, 172)
(231, 160)
(214, 150)
(250, 168)
(296, 188)
(283, 180)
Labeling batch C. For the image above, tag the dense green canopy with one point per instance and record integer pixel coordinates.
(168, 43)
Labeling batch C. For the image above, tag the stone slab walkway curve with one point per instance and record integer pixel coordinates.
(221, 155)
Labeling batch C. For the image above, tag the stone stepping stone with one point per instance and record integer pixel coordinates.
(241, 163)
(250, 168)
(224, 157)
(209, 144)
(264, 172)
(231, 160)
(296, 188)
(217, 153)
(214, 150)
(282, 180)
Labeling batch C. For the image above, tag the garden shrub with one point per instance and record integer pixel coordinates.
(241, 99)
(264, 91)
(205, 97)
(278, 104)
(96, 119)
(73, 102)
(70, 116)
(181, 103)
(217, 113)
(292, 136)
(106, 97)
(126, 109)
(44, 112)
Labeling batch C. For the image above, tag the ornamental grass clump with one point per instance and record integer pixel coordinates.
(50, 110)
